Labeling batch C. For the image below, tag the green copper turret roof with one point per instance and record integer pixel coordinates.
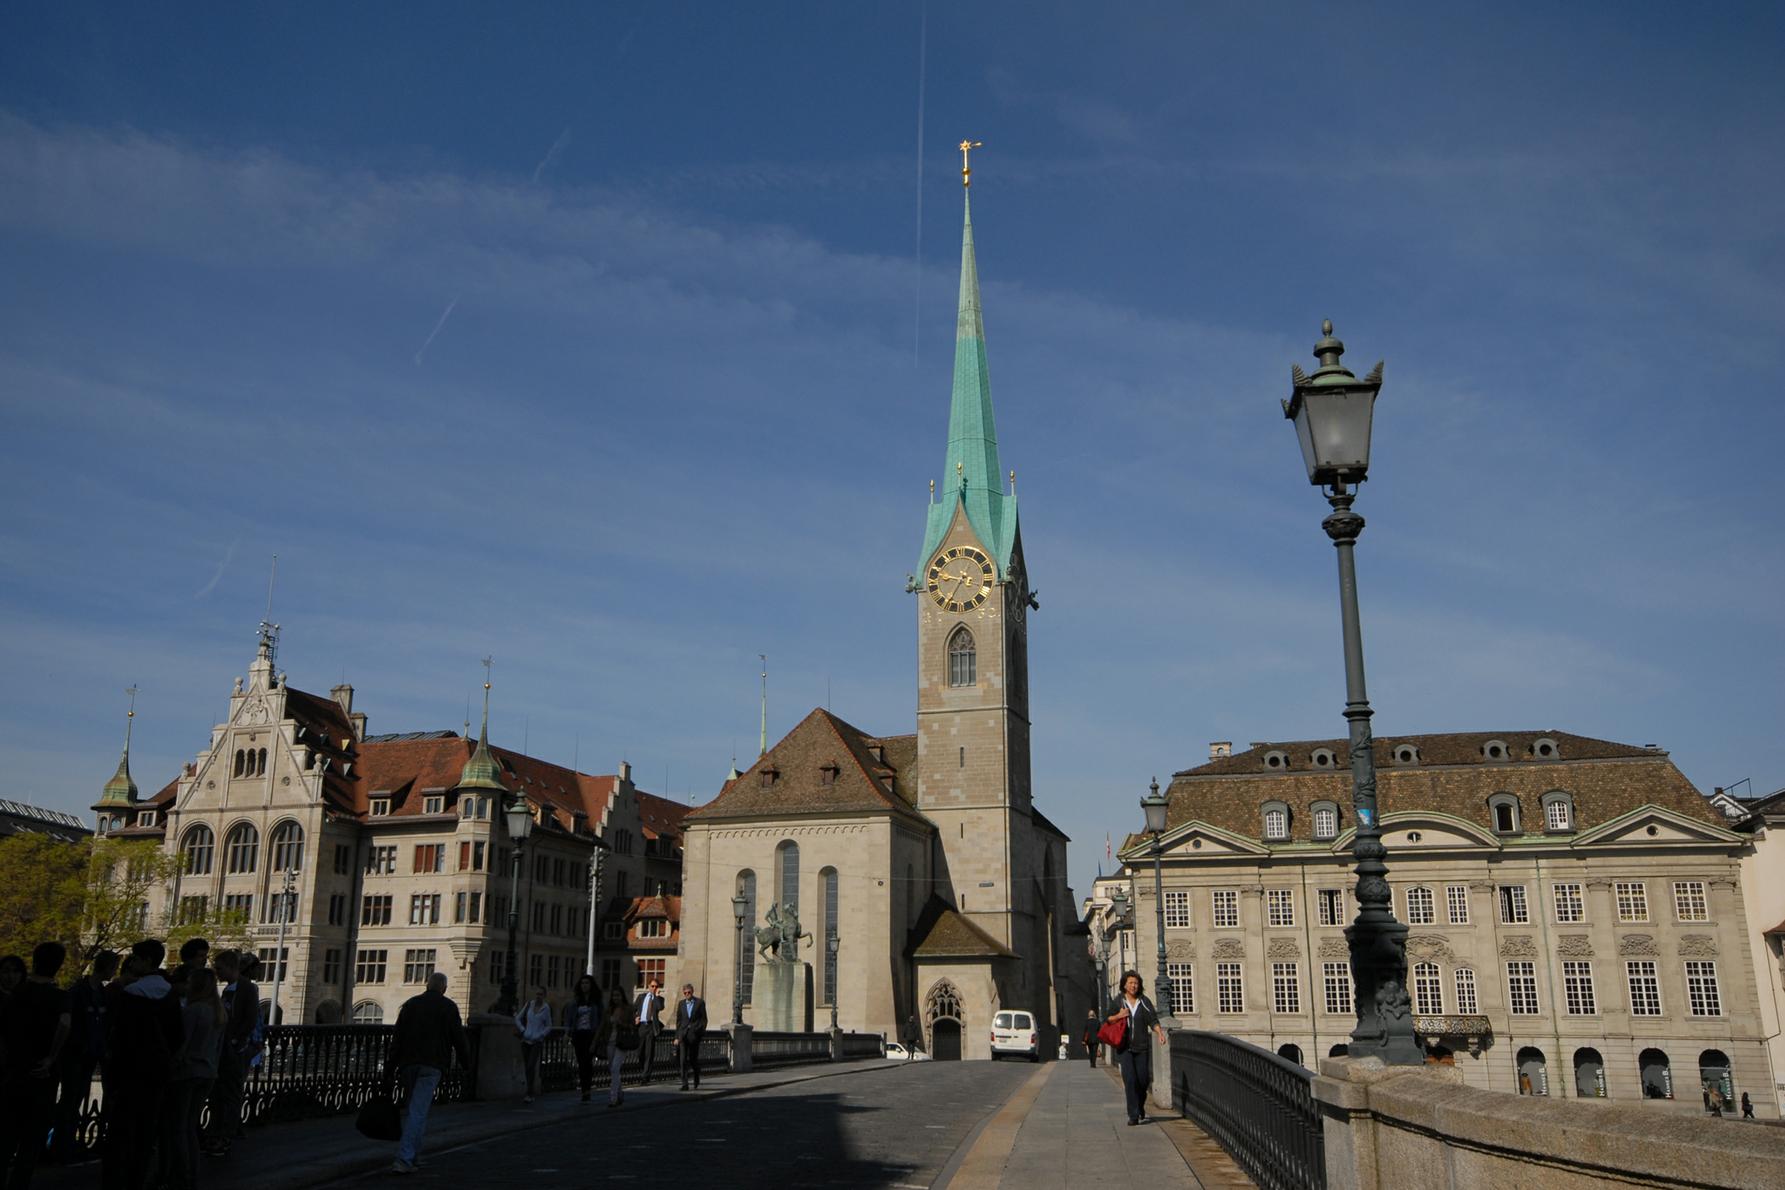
(972, 476)
(121, 789)
(481, 772)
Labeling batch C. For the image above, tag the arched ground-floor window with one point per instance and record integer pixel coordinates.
(1714, 1075)
(1657, 1074)
(1533, 1076)
(1292, 1052)
(368, 1012)
(1589, 1074)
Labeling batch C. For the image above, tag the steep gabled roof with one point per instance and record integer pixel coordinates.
(943, 932)
(661, 818)
(823, 765)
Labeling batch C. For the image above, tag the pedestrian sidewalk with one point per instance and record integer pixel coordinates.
(309, 1153)
(1067, 1129)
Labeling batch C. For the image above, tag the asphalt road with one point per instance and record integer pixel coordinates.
(892, 1128)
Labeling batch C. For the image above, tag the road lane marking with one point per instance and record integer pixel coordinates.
(983, 1166)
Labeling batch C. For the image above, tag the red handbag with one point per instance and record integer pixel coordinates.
(1112, 1033)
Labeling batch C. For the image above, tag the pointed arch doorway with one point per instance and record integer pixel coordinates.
(942, 1012)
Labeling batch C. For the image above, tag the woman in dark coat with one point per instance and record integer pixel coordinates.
(1135, 1054)
(582, 1017)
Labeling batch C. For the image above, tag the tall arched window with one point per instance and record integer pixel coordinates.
(746, 940)
(787, 873)
(241, 764)
(260, 763)
(827, 927)
(198, 847)
(1428, 990)
(241, 849)
(1656, 1073)
(288, 847)
(963, 661)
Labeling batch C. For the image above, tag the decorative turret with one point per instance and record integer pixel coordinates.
(481, 773)
(121, 789)
(972, 477)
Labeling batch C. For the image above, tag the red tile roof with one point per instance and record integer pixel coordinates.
(822, 765)
(660, 817)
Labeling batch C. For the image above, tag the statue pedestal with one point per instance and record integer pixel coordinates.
(781, 997)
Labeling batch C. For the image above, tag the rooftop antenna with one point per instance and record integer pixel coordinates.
(764, 658)
(526, 735)
(577, 754)
(269, 631)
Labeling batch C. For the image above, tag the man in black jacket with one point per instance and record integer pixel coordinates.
(143, 1031)
(691, 1026)
(647, 1013)
(429, 1032)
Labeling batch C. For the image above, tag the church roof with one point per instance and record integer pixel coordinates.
(1451, 773)
(659, 817)
(971, 476)
(823, 766)
(944, 932)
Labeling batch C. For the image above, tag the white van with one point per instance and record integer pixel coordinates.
(1014, 1032)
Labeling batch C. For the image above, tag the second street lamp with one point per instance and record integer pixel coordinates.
(1154, 806)
(520, 824)
(739, 907)
(1332, 410)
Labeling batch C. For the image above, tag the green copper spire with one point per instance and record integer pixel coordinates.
(972, 476)
(481, 773)
(121, 789)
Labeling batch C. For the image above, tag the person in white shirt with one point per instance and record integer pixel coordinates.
(647, 1012)
(534, 1024)
(1135, 1054)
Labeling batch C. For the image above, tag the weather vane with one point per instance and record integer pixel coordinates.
(967, 146)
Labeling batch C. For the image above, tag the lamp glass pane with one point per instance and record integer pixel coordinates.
(1339, 424)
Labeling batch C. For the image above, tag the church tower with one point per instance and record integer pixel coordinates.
(972, 651)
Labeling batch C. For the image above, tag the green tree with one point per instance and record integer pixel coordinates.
(44, 895)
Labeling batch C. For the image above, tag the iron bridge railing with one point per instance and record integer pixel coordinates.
(1258, 1106)
(788, 1049)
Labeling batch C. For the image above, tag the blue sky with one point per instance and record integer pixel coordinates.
(693, 382)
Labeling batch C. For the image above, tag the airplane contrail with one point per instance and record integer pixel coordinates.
(551, 154)
(443, 317)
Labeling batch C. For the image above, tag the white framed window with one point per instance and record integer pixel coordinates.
(1456, 901)
(1286, 987)
(433, 804)
(1702, 997)
(1326, 823)
(1428, 990)
(1504, 808)
(1467, 1004)
(1183, 987)
(1336, 981)
(1280, 906)
(1570, 906)
(1556, 816)
(1230, 988)
(1276, 824)
(1420, 908)
(1645, 987)
(654, 927)
(378, 807)
(1521, 987)
(1513, 910)
(1577, 987)
(1225, 908)
(1177, 910)
(1689, 902)
(1332, 906)
(1633, 900)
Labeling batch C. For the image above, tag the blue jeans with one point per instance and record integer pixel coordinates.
(1137, 1079)
(418, 1084)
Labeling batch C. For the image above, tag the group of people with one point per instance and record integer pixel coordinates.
(164, 1042)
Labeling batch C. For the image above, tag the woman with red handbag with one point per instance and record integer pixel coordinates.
(1134, 1016)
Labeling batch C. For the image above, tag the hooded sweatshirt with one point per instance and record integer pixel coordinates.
(144, 1033)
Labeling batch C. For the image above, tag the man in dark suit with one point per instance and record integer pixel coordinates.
(691, 1026)
(647, 1013)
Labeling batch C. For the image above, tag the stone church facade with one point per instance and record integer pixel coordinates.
(924, 852)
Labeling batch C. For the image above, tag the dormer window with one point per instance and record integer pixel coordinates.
(768, 778)
(1558, 811)
(1496, 750)
(1406, 754)
(1276, 760)
(434, 804)
(1323, 758)
(145, 818)
(1326, 820)
(1276, 821)
(1544, 748)
(1505, 811)
(828, 774)
(378, 807)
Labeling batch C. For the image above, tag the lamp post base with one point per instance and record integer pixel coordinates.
(1384, 1013)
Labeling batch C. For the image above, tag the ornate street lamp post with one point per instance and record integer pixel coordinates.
(1118, 906)
(1154, 806)
(595, 868)
(520, 825)
(830, 951)
(1332, 410)
(739, 906)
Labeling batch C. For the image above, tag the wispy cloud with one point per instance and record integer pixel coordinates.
(440, 322)
(205, 591)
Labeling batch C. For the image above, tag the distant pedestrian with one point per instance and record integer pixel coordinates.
(202, 1019)
(143, 1030)
(582, 1017)
(1747, 1107)
(34, 1025)
(1713, 1099)
(429, 1032)
(1090, 1036)
(241, 1001)
(610, 1040)
(691, 1026)
(534, 1024)
(1135, 1054)
(647, 1013)
(80, 1054)
(912, 1036)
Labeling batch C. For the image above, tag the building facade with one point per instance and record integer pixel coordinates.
(398, 854)
(1762, 820)
(1577, 924)
(924, 853)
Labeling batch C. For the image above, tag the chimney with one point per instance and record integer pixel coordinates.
(358, 719)
(1220, 748)
(343, 694)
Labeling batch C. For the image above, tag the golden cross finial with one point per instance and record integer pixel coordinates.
(967, 146)
(487, 663)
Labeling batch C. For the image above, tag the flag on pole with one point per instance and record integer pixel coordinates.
(1107, 853)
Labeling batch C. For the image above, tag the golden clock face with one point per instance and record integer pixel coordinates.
(960, 579)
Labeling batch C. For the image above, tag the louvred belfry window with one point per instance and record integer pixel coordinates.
(963, 659)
